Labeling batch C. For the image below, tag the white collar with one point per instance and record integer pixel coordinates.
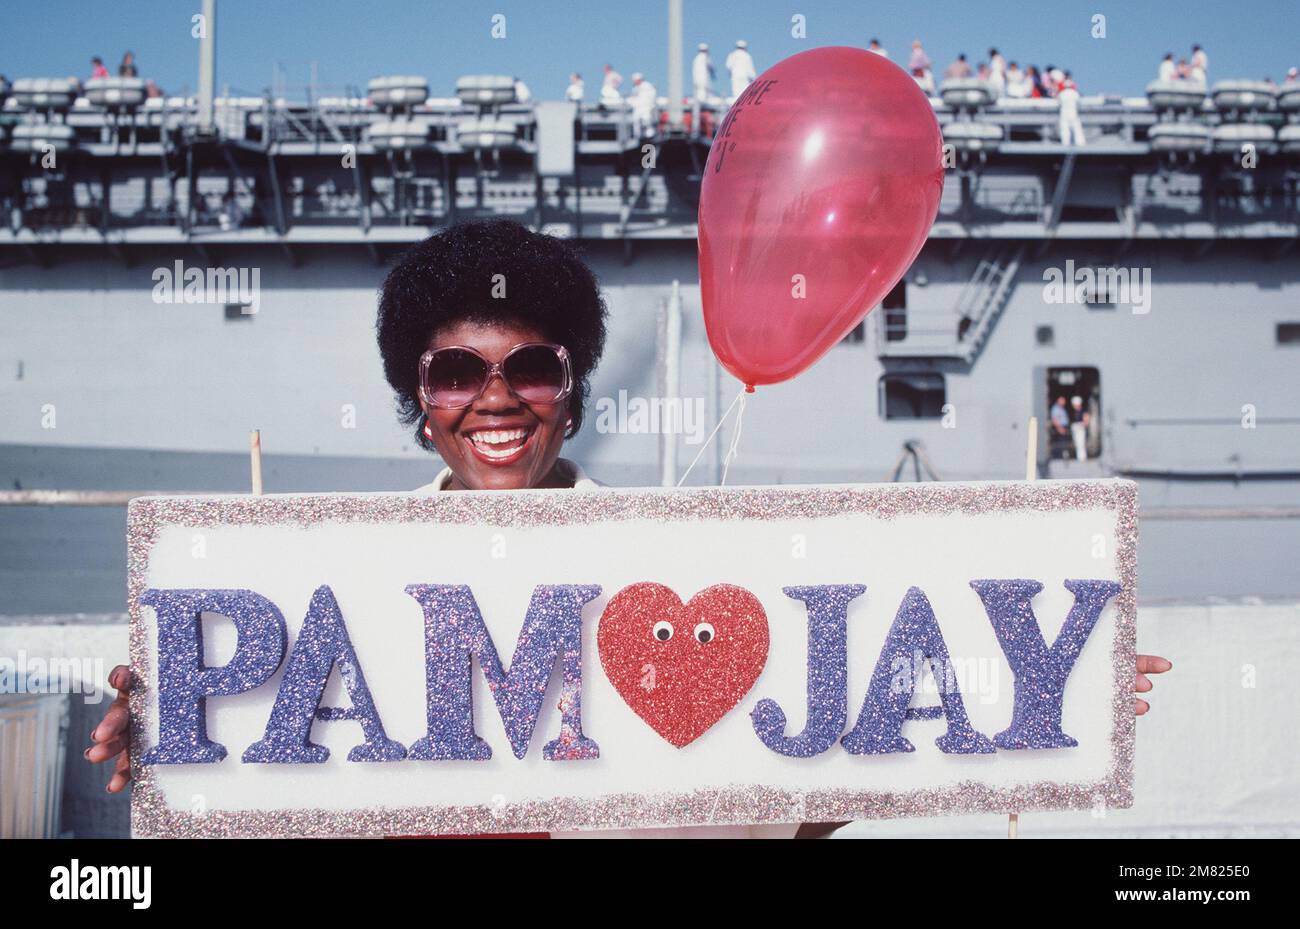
(580, 479)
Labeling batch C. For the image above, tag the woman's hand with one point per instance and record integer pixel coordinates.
(112, 737)
(1147, 664)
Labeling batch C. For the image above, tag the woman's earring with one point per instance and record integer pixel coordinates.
(427, 431)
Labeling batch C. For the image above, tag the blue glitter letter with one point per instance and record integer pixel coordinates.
(1040, 672)
(323, 642)
(828, 698)
(185, 683)
(913, 639)
(454, 633)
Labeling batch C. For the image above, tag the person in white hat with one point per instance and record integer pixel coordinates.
(576, 89)
(643, 101)
(702, 75)
(1068, 102)
(741, 66)
(609, 95)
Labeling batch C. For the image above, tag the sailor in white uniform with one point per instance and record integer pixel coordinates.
(643, 99)
(1071, 125)
(741, 66)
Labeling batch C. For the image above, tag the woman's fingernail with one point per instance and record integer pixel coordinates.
(86, 754)
(93, 736)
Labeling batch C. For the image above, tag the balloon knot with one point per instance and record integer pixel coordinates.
(749, 388)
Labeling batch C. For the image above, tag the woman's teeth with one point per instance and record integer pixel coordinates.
(498, 443)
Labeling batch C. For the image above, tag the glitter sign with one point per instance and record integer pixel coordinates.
(514, 661)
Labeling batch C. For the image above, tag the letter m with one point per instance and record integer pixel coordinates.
(455, 634)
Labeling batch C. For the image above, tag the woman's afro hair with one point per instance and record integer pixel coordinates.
(487, 272)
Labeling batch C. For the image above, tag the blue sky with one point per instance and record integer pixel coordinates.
(546, 39)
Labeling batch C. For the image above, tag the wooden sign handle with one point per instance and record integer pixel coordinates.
(255, 459)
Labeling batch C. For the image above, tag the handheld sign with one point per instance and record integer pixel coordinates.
(504, 661)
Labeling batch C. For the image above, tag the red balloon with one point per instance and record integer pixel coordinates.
(820, 189)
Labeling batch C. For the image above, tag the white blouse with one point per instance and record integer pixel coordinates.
(573, 469)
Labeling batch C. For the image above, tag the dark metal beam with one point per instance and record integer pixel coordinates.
(281, 226)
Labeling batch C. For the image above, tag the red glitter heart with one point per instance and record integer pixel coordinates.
(716, 647)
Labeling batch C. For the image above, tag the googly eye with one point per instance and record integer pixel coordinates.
(704, 633)
(663, 630)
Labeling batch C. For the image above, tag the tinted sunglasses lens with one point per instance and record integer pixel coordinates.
(455, 377)
(535, 374)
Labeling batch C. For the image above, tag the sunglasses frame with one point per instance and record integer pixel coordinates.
(494, 369)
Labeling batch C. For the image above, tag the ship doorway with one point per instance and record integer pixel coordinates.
(1074, 428)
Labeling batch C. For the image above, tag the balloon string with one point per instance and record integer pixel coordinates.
(705, 446)
(735, 439)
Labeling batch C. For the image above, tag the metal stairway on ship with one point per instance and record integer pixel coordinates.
(960, 331)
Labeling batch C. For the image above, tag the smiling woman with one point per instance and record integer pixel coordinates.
(489, 333)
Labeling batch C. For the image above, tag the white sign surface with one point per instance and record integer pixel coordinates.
(503, 661)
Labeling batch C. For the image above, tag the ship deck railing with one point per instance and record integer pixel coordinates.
(1121, 189)
(1028, 125)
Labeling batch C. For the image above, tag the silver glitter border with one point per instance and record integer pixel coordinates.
(736, 804)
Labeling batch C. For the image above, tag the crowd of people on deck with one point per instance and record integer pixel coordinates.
(127, 68)
(1005, 79)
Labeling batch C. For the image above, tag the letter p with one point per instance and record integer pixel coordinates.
(185, 683)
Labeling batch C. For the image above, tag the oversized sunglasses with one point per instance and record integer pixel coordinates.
(534, 372)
